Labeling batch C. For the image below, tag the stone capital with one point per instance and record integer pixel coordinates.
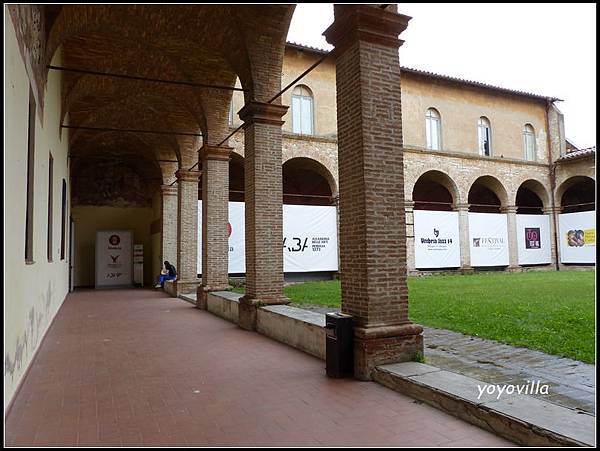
(509, 209)
(187, 176)
(461, 207)
(168, 190)
(409, 205)
(365, 23)
(222, 153)
(262, 113)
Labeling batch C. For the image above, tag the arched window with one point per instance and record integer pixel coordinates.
(484, 135)
(529, 142)
(433, 129)
(302, 110)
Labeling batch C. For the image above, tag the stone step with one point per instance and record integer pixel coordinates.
(517, 417)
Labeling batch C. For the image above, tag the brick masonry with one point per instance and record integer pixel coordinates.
(187, 231)
(372, 231)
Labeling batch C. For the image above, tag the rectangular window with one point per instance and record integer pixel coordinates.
(50, 202)
(30, 174)
(307, 119)
(63, 225)
(296, 109)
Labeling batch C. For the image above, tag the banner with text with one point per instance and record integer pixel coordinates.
(310, 238)
(114, 262)
(577, 237)
(488, 239)
(437, 242)
(533, 239)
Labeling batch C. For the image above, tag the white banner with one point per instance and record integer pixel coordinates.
(437, 242)
(114, 262)
(577, 237)
(310, 238)
(533, 239)
(488, 239)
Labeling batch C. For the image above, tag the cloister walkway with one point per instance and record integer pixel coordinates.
(134, 367)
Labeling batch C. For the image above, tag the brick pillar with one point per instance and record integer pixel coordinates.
(371, 177)
(409, 207)
(168, 239)
(215, 220)
(187, 231)
(463, 232)
(264, 209)
(513, 246)
(552, 213)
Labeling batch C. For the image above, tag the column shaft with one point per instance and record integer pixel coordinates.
(513, 247)
(169, 224)
(187, 231)
(463, 230)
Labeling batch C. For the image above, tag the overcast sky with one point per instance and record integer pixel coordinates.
(547, 49)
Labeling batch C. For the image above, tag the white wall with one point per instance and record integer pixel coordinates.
(34, 292)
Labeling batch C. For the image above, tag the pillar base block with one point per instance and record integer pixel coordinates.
(248, 309)
(186, 286)
(467, 269)
(202, 294)
(514, 269)
(382, 345)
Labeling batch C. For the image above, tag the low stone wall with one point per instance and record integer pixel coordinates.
(171, 288)
(293, 326)
(224, 304)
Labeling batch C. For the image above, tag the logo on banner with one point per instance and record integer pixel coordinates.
(229, 230)
(114, 240)
(490, 243)
(579, 238)
(533, 238)
(436, 232)
(114, 258)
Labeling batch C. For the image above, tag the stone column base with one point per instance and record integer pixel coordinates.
(202, 293)
(186, 286)
(248, 310)
(467, 269)
(514, 269)
(385, 344)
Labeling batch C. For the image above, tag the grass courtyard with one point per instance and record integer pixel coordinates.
(553, 312)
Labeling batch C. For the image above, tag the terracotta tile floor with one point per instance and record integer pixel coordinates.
(133, 367)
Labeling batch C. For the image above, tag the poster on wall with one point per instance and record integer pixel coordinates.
(488, 239)
(309, 244)
(533, 239)
(114, 258)
(437, 242)
(577, 237)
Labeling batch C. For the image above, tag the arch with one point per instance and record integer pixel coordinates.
(484, 136)
(303, 111)
(576, 194)
(487, 195)
(531, 197)
(307, 182)
(435, 190)
(433, 129)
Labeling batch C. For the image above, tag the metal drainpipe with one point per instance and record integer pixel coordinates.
(552, 169)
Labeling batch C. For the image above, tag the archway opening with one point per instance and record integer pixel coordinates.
(433, 191)
(528, 202)
(485, 195)
(579, 195)
(307, 182)
(236, 178)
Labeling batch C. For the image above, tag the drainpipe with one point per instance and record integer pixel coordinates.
(552, 170)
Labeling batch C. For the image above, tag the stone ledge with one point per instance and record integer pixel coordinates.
(520, 418)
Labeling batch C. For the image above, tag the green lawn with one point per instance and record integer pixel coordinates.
(550, 311)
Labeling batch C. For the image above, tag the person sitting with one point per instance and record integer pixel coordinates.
(168, 273)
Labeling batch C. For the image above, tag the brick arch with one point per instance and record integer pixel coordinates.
(535, 186)
(440, 177)
(493, 184)
(569, 183)
(328, 164)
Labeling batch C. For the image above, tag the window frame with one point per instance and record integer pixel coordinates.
(429, 120)
(30, 181)
(481, 126)
(50, 234)
(300, 97)
(529, 131)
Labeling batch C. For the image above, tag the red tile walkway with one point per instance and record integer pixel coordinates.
(133, 367)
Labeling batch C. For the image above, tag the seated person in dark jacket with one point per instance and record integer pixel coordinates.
(168, 273)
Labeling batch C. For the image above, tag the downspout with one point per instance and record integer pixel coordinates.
(552, 170)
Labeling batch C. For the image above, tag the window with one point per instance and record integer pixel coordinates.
(30, 184)
(302, 110)
(63, 226)
(484, 133)
(433, 129)
(50, 202)
(529, 142)
(230, 119)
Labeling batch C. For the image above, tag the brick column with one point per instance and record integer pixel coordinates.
(371, 177)
(409, 207)
(513, 246)
(552, 213)
(463, 232)
(168, 238)
(264, 209)
(187, 231)
(215, 221)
